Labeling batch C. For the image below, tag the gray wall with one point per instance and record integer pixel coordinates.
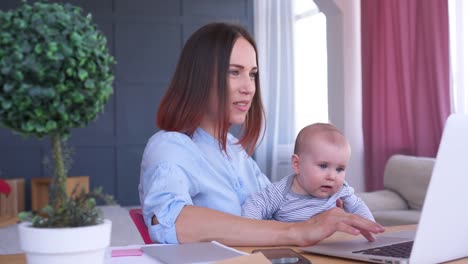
(145, 36)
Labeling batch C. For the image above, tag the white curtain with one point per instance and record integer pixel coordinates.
(273, 21)
(458, 15)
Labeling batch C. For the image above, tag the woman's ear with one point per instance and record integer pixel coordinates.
(295, 163)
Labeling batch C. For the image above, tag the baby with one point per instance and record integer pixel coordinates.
(321, 154)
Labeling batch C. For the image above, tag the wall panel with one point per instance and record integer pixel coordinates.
(146, 37)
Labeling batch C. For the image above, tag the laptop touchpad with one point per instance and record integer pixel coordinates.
(362, 243)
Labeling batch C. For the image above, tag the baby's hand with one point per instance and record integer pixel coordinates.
(339, 203)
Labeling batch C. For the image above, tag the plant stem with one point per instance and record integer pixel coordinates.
(58, 194)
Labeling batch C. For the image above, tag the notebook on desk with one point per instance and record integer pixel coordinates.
(442, 232)
(203, 252)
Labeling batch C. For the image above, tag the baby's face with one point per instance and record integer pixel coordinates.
(322, 170)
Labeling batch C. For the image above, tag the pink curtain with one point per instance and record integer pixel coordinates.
(405, 80)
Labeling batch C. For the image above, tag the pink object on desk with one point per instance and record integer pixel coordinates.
(137, 217)
(126, 252)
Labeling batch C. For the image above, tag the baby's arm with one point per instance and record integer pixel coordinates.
(353, 204)
(263, 204)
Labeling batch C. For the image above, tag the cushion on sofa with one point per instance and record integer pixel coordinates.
(383, 200)
(397, 217)
(409, 176)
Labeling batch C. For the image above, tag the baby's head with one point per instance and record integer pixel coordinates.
(321, 154)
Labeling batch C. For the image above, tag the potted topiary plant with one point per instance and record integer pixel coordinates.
(56, 74)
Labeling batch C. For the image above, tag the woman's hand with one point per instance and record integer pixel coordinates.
(327, 223)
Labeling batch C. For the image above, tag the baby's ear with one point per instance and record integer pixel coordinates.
(295, 163)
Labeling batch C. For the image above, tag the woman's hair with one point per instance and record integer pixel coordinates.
(203, 65)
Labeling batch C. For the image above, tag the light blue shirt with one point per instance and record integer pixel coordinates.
(177, 170)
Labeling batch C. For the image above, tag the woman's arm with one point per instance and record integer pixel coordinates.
(202, 224)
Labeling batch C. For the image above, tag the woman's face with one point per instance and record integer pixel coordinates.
(241, 86)
(241, 80)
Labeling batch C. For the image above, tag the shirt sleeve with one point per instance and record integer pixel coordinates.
(165, 185)
(262, 205)
(353, 204)
(167, 190)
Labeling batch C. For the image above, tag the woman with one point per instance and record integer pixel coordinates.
(195, 175)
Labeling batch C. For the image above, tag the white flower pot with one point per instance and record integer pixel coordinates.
(70, 245)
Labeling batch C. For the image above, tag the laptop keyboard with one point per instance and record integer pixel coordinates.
(399, 250)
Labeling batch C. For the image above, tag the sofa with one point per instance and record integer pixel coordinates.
(406, 179)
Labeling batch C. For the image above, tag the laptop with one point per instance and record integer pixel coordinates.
(442, 232)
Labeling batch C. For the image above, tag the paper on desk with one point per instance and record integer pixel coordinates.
(199, 253)
(257, 258)
(169, 256)
(143, 259)
(128, 252)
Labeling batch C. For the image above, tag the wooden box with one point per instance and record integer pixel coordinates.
(12, 204)
(40, 189)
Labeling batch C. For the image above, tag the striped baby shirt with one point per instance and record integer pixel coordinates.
(277, 202)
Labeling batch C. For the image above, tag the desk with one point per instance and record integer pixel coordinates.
(318, 259)
(315, 259)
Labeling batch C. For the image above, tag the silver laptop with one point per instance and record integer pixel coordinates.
(442, 232)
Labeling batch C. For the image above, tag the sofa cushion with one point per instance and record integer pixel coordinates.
(409, 176)
(397, 217)
(383, 200)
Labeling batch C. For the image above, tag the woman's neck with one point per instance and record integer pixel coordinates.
(209, 127)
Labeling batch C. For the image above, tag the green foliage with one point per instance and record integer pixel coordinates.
(55, 74)
(78, 211)
(56, 71)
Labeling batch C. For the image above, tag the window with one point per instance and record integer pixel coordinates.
(310, 64)
(458, 15)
